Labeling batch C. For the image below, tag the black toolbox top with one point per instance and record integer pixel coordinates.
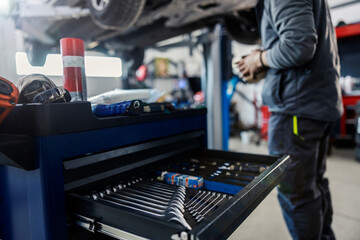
(61, 118)
(27, 121)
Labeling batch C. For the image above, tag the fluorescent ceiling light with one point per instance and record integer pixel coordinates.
(4, 7)
(94, 66)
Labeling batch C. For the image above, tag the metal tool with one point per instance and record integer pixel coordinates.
(193, 199)
(178, 192)
(203, 203)
(140, 206)
(175, 202)
(134, 107)
(146, 203)
(158, 191)
(157, 195)
(148, 195)
(197, 213)
(199, 201)
(171, 215)
(162, 188)
(202, 216)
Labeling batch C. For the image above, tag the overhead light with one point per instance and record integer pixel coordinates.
(4, 7)
(95, 66)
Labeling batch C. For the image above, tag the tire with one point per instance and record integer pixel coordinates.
(243, 27)
(36, 52)
(116, 14)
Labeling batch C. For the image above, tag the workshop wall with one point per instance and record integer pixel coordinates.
(8, 48)
(192, 64)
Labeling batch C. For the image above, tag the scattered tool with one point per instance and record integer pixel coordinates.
(158, 107)
(134, 107)
(9, 95)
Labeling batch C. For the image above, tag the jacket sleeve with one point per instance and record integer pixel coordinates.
(293, 20)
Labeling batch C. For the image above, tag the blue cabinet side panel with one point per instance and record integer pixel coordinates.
(21, 205)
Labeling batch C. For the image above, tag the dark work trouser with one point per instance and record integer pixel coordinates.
(303, 194)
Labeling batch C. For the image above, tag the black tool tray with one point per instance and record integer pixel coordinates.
(78, 155)
(219, 224)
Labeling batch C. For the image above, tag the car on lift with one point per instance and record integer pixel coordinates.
(124, 28)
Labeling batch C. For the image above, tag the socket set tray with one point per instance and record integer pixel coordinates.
(233, 184)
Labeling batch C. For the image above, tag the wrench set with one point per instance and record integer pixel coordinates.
(160, 200)
(203, 203)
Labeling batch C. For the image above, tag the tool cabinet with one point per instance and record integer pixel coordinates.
(57, 162)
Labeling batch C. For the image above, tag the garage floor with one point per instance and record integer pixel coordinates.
(343, 171)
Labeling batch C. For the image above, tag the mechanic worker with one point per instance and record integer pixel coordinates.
(302, 91)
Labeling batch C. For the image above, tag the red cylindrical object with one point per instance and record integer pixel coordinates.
(72, 51)
(265, 122)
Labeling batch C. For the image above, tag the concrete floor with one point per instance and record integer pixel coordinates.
(343, 172)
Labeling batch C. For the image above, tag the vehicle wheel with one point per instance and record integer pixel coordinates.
(116, 14)
(243, 27)
(36, 52)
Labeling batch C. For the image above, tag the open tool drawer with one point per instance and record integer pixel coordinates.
(74, 162)
(213, 212)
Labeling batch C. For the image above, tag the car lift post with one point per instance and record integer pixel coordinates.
(217, 72)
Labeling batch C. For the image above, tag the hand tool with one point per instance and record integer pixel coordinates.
(150, 194)
(166, 185)
(175, 202)
(9, 95)
(203, 203)
(150, 203)
(134, 107)
(214, 172)
(157, 183)
(158, 191)
(243, 168)
(198, 213)
(189, 203)
(171, 215)
(179, 191)
(158, 107)
(201, 217)
(175, 199)
(138, 205)
(200, 200)
(160, 188)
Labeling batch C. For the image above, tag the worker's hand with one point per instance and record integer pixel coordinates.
(250, 66)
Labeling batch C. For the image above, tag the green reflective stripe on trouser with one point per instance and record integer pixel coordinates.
(295, 128)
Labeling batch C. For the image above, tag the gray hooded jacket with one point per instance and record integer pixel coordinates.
(303, 78)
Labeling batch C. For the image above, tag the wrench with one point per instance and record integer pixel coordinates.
(189, 203)
(153, 186)
(159, 205)
(175, 198)
(208, 205)
(144, 207)
(202, 217)
(199, 201)
(158, 191)
(171, 216)
(203, 204)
